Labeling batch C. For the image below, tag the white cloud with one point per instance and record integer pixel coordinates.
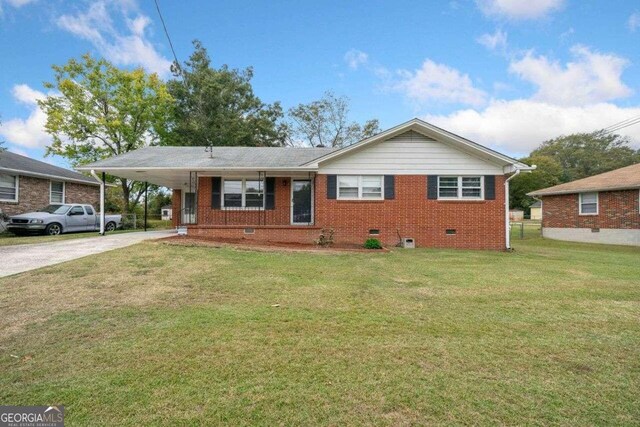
(355, 58)
(438, 82)
(495, 41)
(132, 48)
(26, 94)
(27, 132)
(19, 3)
(634, 22)
(592, 77)
(519, 126)
(519, 9)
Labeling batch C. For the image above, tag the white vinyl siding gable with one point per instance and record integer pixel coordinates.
(410, 153)
(9, 187)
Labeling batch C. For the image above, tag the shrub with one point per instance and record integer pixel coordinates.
(372, 244)
(325, 238)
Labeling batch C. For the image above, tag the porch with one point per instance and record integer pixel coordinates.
(241, 200)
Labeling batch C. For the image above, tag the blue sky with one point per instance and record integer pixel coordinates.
(505, 73)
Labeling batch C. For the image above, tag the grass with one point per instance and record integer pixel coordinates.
(169, 335)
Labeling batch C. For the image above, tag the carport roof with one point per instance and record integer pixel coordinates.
(171, 166)
(204, 158)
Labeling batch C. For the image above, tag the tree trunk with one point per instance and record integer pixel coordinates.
(125, 195)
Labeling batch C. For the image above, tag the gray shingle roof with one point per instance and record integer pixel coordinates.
(29, 166)
(221, 157)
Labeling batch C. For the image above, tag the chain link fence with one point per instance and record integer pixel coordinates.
(134, 221)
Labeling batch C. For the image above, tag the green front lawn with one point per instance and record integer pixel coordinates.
(163, 334)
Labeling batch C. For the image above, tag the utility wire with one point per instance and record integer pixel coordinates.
(166, 32)
(621, 125)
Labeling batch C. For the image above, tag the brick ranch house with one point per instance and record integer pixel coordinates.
(27, 185)
(603, 208)
(412, 181)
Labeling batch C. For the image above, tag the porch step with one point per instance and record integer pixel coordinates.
(182, 231)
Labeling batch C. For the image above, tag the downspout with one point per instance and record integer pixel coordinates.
(93, 174)
(506, 209)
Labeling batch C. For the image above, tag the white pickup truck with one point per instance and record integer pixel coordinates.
(62, 218)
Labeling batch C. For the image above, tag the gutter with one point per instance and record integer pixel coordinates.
(507, 228)
(93, 173)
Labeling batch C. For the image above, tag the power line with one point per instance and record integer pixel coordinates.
(621, 125)
(166, 32)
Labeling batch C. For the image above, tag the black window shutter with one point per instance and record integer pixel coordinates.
(270, 193)
(332, 186)
(432, 187)
(389, 187)
(216, 196)
(489, 187)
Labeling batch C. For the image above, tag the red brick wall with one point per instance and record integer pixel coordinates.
(79, 193)
(278, 216)
(176, 204)
(616, 209)
(478, 224)
(287, 234)
(34, 194)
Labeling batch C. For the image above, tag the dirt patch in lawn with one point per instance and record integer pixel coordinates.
(265, 246)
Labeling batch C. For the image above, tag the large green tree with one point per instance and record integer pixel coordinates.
(217, 106)
(96, 110)
(585, 154)
(571, 157)
(325, 123)
(548, 172)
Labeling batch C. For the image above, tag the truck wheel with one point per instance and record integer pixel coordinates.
(111, 226)
(53, 229)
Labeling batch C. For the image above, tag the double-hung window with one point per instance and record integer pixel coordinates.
(243, 193)
(8, 188)
(461, 187)
(56, 192)
(588, 203)
(356, 187)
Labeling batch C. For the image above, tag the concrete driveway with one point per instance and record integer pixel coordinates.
(20, 258)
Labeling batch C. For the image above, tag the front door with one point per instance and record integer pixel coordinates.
(189, 208)
(302, 201)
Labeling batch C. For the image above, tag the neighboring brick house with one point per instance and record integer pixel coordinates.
(603, 208)
(412, 181)
(27, 185)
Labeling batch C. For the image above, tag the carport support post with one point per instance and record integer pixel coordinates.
(102, 197)
(146, 188)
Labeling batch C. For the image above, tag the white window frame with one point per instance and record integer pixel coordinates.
(244, 194)
(64, 191)
(360, 188)
(597, 203)
(459, 196)
(17, 198)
